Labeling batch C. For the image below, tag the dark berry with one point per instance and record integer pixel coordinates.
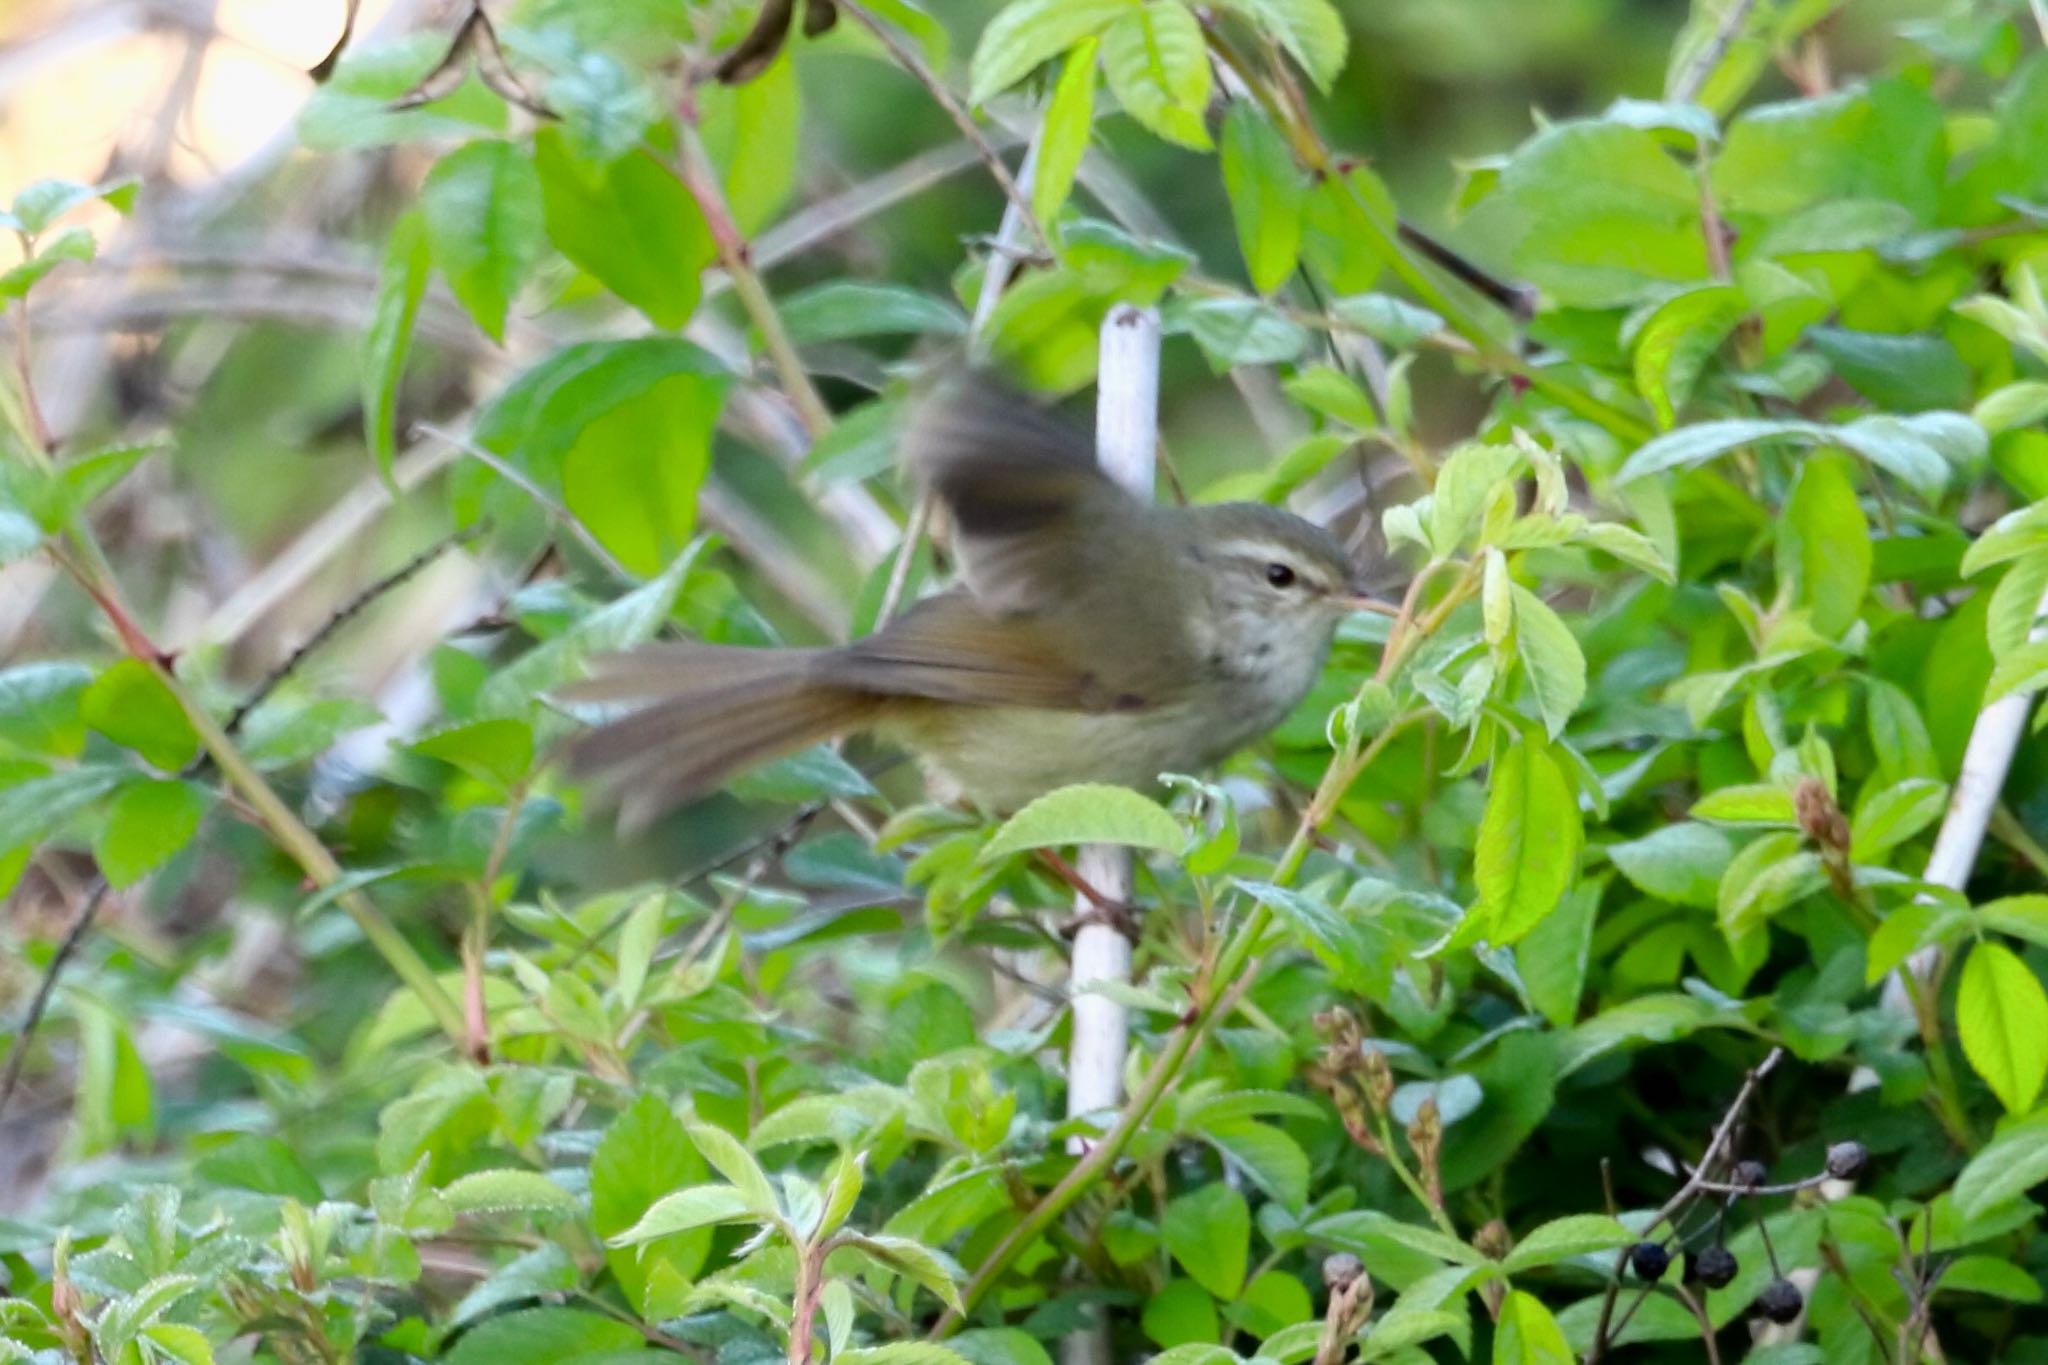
(1713, 1267)
(1649, 1260)
(1780, 1301)
(1846, 1160)
(1749, 1174)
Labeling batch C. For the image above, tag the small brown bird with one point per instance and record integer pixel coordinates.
(1094, 637)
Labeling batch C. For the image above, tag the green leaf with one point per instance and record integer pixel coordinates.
(1063, 137)
(1553, 957)
(2021, 531)
(1901, 373)
(1397, 322)
(387, 341)
(132, 706)
(1681, 863)
(901, 1353)
(1312, 31)
(2023, 670)
(630, 224)
(1749, 804)
(1885, 141)
(507, 1191)
(1266, 193)
(1769, 874)
(39, 707)
(1605, 215)
(753, 133)
(1528, 844)
(2016, 604)
(1916, 449)
(1339, 940)
(553, 1336)
(482, 206)
(1891, 815)
(618, 625)
(2010, 1164)
(352, 108)
(1528, 1335)
(498, 752)
(1675, 343)
(545, 1271)
(731, 1159)
(260, 1162)
(1029, 32)
(933, 1269)
(1090, 813)
(1272, 1160)
(1990, 1275)
(2024, 917)
(1208, 1231)
(147, 824)
(1824, 550)
(2002, 1022)
(839, 309)
(72, 244)
(35, 807)
(2020, 404)
(1158, 68)
(696, 1207)
(1564, 1238)
(644, 1154)
(1551, 658)
(1234, 332)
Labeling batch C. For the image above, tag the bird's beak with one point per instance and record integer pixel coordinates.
(1358, 601)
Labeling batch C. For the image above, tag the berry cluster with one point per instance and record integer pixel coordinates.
(1712, 1264)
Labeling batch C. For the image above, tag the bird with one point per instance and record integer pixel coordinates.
(1093, 636)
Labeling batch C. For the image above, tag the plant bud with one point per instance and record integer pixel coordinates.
(1379, 1081)
(1748, 1175)
(1342, 1270)
(1819, 817)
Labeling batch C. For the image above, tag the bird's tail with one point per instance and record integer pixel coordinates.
(704, 713)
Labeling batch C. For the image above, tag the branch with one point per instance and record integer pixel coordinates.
(17, 1053)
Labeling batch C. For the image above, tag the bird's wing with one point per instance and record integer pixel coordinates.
(1021, 488)
(951, 648)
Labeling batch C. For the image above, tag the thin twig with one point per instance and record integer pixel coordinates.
(702, 183)
(340, 617)
(548, 502)
(1687, 87)
(899, 572)
(17, 1052)
(1699, 1312)
(908, 59)
(1716, 1149)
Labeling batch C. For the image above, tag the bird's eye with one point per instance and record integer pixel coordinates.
(1279, 575)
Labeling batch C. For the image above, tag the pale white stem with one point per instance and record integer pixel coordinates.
(1010, 236)
(1126, 444)
(1986, 761)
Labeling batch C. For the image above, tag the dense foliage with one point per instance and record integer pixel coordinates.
(1563, 981)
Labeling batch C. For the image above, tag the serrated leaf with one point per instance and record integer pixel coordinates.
(696, 1207)
(1089, 813)
(135, 708)
(1528, 845)
(1157, 64)
(1063, 139)
(387, 341)
(731, 1159)
(1562, 1239)
(1030, 32)
(482, 208)
(1208, 1231)
(2007, 1167)
(148, 823)
(507, 1191)
(1893, 815)
(2002, 1023)
(839, 309)
(1551, 659)
(1681, 863)
(1266, 193)
(657, 267)
(1747, 804)
(933, 1269)
(1312, 31)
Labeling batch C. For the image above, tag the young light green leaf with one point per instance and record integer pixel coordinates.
(934, 1270)
(1029, 32)
(696, 1207)
(2021, 531)
(1528, 1334)
(1551, 659)
(1089, 813)
(1824, 549)
(148, 823)
(1681, 863)
(1157, 63)
(1069, 123)
(1563, 1238)
(2007, 1167)
(401, 284)
(482, 206)
(1674, 345)
(2024, 917)
(2016, 604)
(1312, 31)
(1208, 1231)
(1265, 191)
(132, 706)
(1894, 814)
(507, 1191)
(657, 267)
(731, 1159)
(2002, 1022)
(1747, 804)
(1528, 844)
